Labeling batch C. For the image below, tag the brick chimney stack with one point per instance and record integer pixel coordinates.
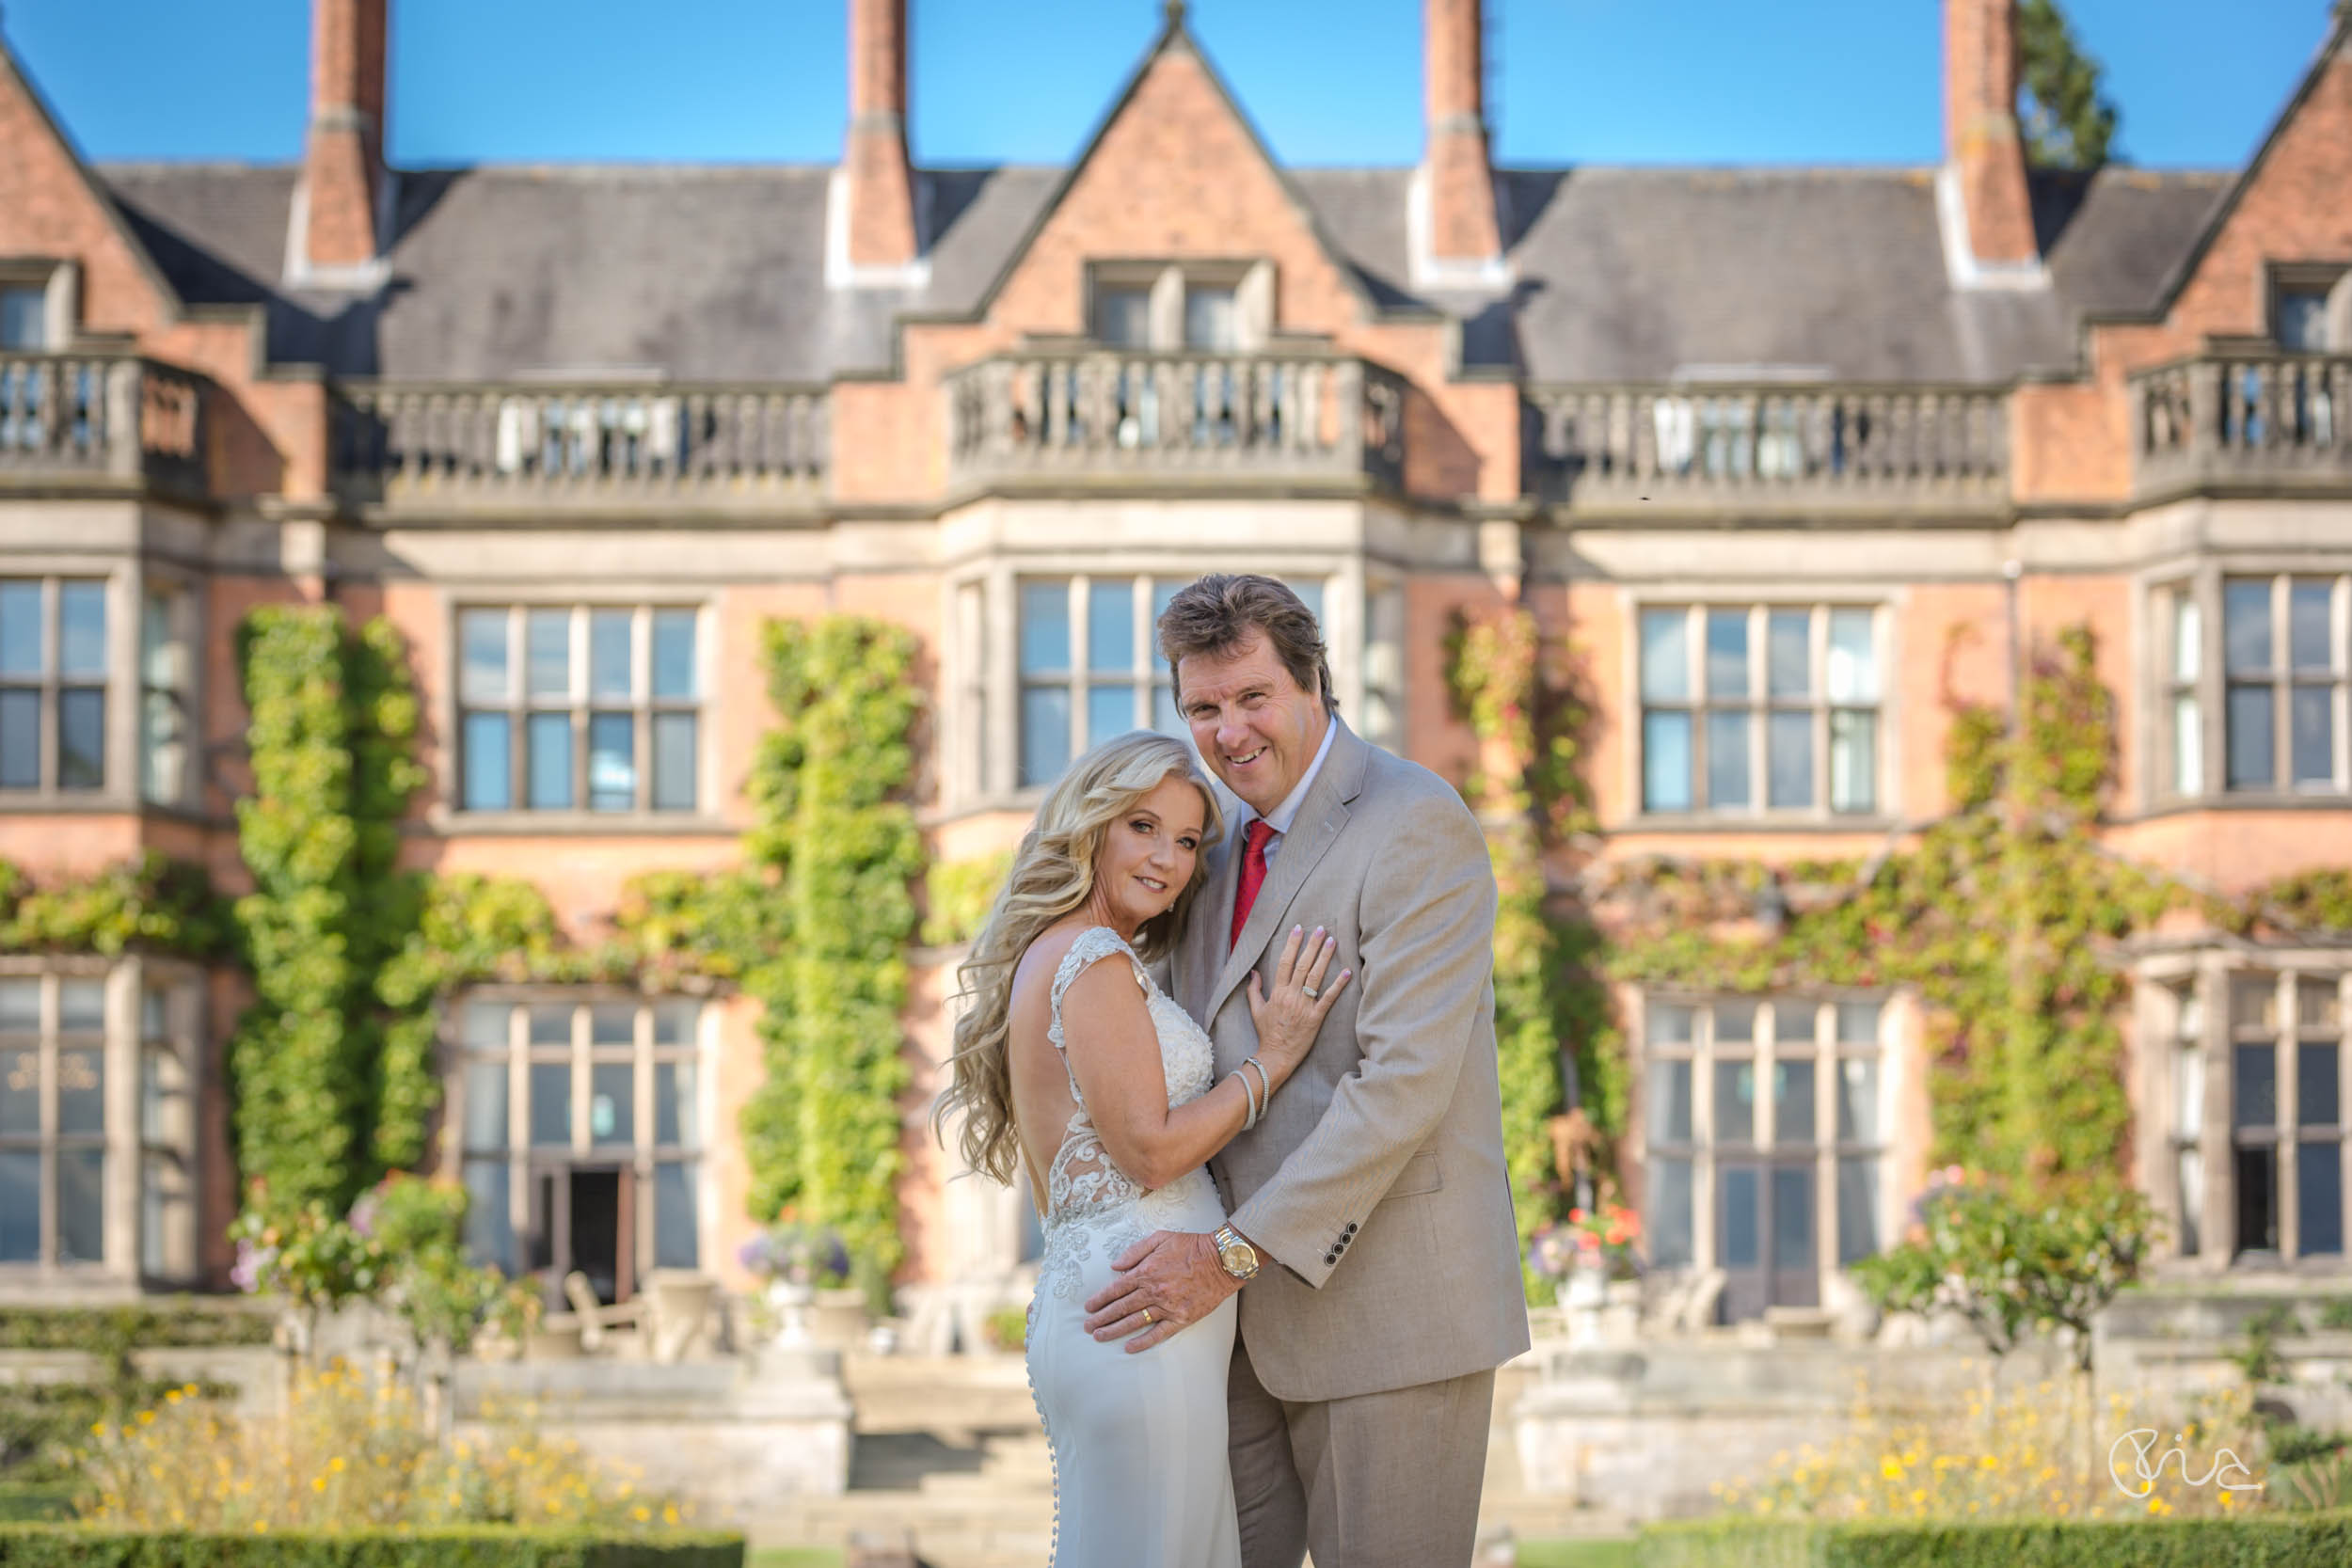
(881, 185)
(343, 164)
(1454, 170)
(1983, 151)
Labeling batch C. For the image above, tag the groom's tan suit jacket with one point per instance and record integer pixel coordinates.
(1375, 1181)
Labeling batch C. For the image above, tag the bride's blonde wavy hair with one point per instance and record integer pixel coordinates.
(1053, 873)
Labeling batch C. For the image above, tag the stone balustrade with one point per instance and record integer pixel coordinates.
(1767, 449)
(83, 419)
(577, 447)
(1092, 415)
(2258, 419)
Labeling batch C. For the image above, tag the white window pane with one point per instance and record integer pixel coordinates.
(1110, 626)
(80, 1004)
(1665, 656)
(24, 319)
(81, 1205)
(485, 1105)
(1857, 1206)
(81, 1089)
(490, 1229)
(2188, 1167)
(676, 747)
(1044, 732)
(1666, 762)
(676, 1240)
(20, 739)
(1734, 1102)
(2252, 740)
(1123, 316)
(612, 1104)
(20, 1206)
(611, 762)
(484, 1025)
(2302, 320)
(1728, 653)
(1792, 1216)
(20, 1090)
(608, 655)
(1858, 1100)
(1670, 1228)
(1044, 629)
(2246, 625)
(2189, 746)
(1788, 653)
(674, 1124)
(673, 676)
(1309, 592)
(547, 650)
(1211, 320)
(1110, 711)
(2310, 643)
(550, 1104)
(1669, 1022)
(2256, 1085)
(1739, 1225)
(1858, 1023)
(1854, 666)
(550, 1025)
(549, 740)
(489, 763)
(612, 1023)
(1788, 760)
(22, 644)
(1734, 1022)
(1729, 785)
(2188, 635)
(82, 739)
(82, 629)
(674, 1022)
(1792, 1102)
(1853, 760)
(482, 675)
(2312, 720)
(163, 775)
(1669, 1111)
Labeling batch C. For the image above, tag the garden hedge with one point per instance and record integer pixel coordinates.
(2262, 1540)
(25, 1545)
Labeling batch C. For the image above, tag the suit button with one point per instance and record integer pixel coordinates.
(1332, 1257)
(1351, 1228)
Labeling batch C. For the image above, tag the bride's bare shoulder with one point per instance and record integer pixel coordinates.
(1034, 973)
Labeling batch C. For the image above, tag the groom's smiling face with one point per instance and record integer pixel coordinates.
(1255, 726)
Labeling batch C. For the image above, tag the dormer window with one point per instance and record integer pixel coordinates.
(2303, 320)
(23, 318)
(1201, 306)
(2310, 307)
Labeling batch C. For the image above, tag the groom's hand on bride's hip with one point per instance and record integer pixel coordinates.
(1173, 1275)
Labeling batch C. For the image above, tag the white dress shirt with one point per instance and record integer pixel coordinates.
(1281, 816)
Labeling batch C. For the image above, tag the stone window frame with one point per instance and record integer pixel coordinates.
(2184, 684)
(170, 679)
(153, 1075)
(119, 786)
(531, 1228)
(2187, 999)
(2331, 280)
(1364, 624)
(1834, 1153)
(450, 814)
(1698, 601)
(1168, 284)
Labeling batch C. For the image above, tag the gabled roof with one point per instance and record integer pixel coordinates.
(15, 78)
(1177, 36)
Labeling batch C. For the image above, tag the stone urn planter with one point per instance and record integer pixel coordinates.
(1621, 1312)
(789, 1300)
(1583, 1297)
(839, 1319)
(680, 1300)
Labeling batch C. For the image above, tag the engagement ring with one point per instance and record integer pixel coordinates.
(1312, 993)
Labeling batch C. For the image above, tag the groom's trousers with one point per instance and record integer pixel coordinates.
(1389, 1480)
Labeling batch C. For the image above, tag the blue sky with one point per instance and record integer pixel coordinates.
(1328, 81)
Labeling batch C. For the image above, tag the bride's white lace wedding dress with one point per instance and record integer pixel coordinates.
(1140, 1479)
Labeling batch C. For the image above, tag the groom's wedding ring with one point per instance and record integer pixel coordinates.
(1147, 1314)
(1312, 993)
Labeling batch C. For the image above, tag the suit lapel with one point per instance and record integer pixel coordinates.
(1211, 917)
(1320, 815)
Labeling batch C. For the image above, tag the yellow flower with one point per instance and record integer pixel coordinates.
(318, 1483)
(669, 1514)
(97, 1428)
(1891, 1467)
(147, 1417)
(641, 1514)
(335, 1466)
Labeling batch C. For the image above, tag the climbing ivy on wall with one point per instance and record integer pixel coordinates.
(333, 718)
(834, 832)
(150, 904)
(1528, 716)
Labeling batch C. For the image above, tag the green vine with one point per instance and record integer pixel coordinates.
(150, 904)
(333, 719)
(836, 834)
(1529, 715)
(958, 895)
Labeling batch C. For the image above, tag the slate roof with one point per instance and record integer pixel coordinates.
(717, 273)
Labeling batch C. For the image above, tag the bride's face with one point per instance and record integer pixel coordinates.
(1149, 852)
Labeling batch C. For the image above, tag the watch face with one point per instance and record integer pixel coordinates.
(1237, 1256)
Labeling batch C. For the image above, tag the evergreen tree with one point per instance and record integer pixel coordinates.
(2068, 122)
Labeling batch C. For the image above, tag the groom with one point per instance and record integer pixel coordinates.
(1372, 1237)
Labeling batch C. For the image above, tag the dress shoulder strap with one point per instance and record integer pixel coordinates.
(1094, 943)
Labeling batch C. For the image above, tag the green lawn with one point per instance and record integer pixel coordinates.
(1533, 1554)
(1576, 1554)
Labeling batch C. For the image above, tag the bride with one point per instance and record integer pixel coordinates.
(1069, 1061)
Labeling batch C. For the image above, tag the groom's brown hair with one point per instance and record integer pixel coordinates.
(1215, 614)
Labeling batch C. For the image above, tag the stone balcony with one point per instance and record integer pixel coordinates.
(1081, 418)
(2258, 421)
(666, 449)
(1734, 453)
(83, 424)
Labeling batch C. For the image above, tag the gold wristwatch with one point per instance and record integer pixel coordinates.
(1239, 1258)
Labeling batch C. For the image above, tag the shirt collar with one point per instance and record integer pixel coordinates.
(1281, 816)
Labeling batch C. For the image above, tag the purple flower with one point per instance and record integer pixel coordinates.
(245, 1272)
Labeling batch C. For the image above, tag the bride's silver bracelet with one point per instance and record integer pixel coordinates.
(1248, 1099)
(1266, 1088)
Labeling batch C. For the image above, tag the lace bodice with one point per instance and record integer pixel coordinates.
(1082, 1180)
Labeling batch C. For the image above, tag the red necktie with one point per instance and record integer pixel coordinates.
(1252, 875)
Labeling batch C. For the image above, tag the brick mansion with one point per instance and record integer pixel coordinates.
(1793, 459)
